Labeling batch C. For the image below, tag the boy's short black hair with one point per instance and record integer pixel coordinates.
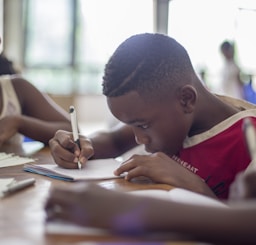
(147, 63)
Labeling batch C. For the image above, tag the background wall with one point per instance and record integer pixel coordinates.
(92, 110)
(12, 29)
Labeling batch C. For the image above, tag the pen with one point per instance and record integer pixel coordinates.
(250, 137)
(74, 126)
(19, 186)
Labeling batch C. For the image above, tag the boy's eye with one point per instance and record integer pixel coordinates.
(143, 126)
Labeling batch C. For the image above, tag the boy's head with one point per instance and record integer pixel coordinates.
(151, 64)
(227, 49)
(149, 83)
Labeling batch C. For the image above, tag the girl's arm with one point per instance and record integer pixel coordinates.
(41, 116)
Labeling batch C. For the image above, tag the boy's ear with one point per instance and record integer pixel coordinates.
(188, 97)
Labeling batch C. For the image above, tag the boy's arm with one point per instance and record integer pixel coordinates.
(104, 144)
(114, 142)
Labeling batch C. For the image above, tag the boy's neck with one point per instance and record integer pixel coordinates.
(211, 112)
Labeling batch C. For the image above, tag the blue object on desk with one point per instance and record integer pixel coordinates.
(27, 139)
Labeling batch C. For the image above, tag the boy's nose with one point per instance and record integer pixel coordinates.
(141, 139)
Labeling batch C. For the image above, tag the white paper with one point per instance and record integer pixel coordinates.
(180, 195)
(59, 227)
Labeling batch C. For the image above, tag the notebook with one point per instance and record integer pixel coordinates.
(93, 170)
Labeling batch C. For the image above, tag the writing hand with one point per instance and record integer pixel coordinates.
(66, 152)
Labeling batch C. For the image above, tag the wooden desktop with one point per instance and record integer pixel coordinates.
(22, 215)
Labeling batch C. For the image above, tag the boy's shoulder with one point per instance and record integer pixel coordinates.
(238, 103)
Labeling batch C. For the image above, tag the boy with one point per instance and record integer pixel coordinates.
(194, 136)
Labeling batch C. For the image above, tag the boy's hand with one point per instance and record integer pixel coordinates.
(160, 168)
(66, 152)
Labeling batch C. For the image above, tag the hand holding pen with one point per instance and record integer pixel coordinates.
(64, 148)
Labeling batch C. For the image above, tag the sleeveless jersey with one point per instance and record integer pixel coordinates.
(218, 154)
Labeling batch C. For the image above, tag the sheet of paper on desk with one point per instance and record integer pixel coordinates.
(180, 195)
(59, 227)
(94, 169)
(9, 159)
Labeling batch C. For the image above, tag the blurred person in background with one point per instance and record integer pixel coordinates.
(26, 111)
(231, 83)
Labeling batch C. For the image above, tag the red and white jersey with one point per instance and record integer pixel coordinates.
(218, 154)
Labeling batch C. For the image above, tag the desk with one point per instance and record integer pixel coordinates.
(22, 214)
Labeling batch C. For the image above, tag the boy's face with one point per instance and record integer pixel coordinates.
(160, 126)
